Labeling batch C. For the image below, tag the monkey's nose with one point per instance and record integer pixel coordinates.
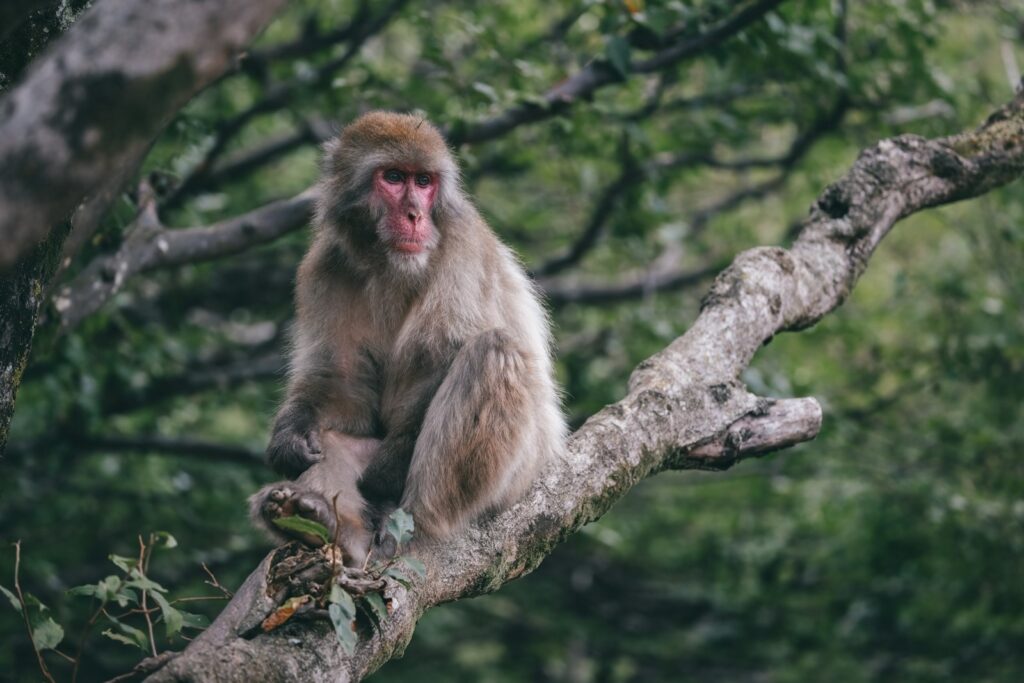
(414, 217)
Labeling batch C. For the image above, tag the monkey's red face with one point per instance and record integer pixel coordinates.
(407, 196)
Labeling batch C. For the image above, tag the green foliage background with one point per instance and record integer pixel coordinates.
(889, 549)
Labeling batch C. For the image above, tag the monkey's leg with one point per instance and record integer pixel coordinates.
(325, 493)
(474, 449)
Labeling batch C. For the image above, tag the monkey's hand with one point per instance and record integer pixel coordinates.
(294, 446)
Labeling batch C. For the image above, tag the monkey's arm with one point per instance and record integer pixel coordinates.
(320, 397)
(295, 439)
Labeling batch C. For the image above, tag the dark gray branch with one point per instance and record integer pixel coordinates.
(149, 246)
(685, 406)
(235, 165)
(560, 293)
(179, 446)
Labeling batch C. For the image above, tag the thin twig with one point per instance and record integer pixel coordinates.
(145, 610)
(215, 583)
(24, 612)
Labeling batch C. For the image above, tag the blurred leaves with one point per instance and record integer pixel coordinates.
(887, 550)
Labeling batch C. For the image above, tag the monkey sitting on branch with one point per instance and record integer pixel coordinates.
(420, 373)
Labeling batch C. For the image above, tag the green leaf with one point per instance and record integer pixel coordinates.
(399, 576)
(172, 617)
(127, 640)
(144, 583)
(162, 539)
(486, 90)
(129, 634)
(400, 525)
(343, 627)
(112, 588)
(33, 601)
(618, 52)
(304, 526)
(377, 606)
(15, 602)
(197, 621)
(536, 100)
(47, 634)
(87, 590)
(339, 596)
(125, 564)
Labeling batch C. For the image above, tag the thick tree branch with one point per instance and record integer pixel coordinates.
(685, 407)
(96, 100)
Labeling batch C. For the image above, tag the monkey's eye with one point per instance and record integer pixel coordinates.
(422, 179)
(393, 175)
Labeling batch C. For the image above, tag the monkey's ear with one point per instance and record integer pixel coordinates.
(330, 152)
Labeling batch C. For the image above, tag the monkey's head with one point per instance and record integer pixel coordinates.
(389, 185)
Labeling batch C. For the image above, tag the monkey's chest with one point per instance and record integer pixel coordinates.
(404, 382)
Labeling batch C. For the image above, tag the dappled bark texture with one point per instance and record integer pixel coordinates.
(97, 99)
(685, 408)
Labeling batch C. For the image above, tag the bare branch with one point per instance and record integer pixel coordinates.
(180, 446)
(560, 293)
(150, 246)
(236, 164)
(312, 39)
(685, 406)
(221, 377)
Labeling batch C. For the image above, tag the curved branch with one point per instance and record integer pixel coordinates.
(685, 407)
(150, 246)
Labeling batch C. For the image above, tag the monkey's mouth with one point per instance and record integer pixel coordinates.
(408, 246)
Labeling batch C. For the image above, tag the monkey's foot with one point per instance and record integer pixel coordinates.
(286, 499)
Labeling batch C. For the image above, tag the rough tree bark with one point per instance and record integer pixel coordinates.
(77, 127)
(685, 408)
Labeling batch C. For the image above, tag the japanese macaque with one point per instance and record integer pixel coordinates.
(420, 372)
